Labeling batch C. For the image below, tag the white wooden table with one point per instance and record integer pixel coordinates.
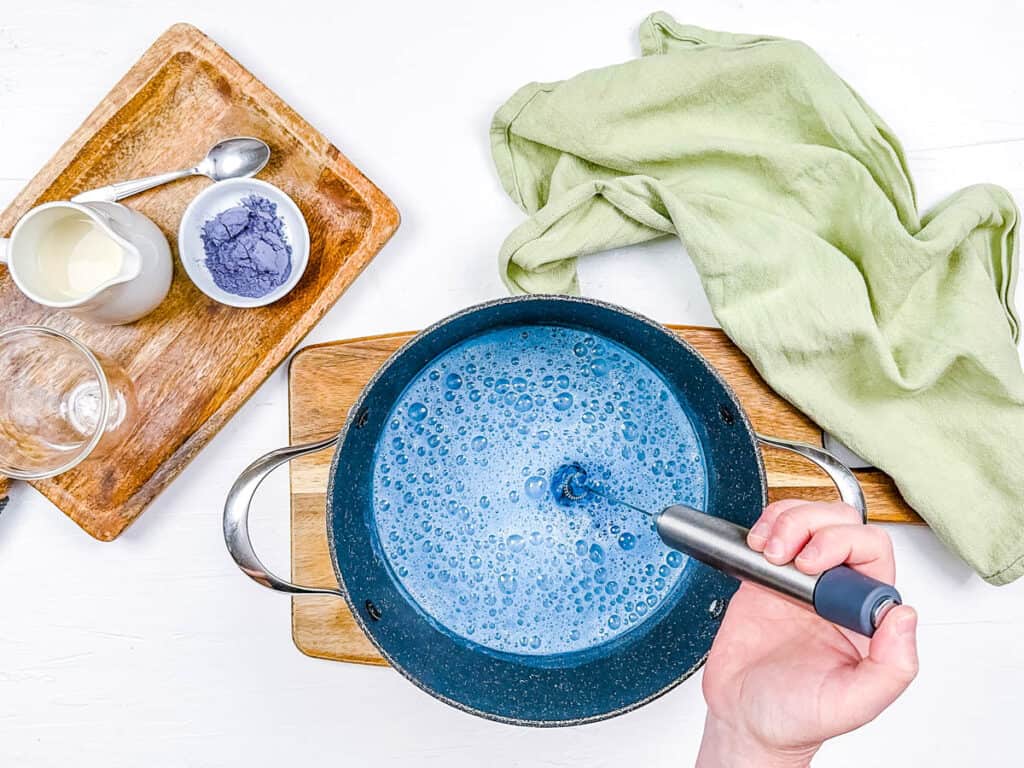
(155, 650)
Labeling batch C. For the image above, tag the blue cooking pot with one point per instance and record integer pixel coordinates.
(606, 680)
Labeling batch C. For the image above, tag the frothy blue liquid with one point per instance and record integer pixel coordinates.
(462, 489)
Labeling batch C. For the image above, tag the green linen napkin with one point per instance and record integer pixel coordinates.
(893, 331)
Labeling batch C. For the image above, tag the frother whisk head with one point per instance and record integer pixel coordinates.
(569, 483)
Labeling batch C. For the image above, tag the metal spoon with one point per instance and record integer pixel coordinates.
(235, 158)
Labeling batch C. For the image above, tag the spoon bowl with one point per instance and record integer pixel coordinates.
(237, 158)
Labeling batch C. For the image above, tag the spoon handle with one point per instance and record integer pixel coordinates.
(122, 189)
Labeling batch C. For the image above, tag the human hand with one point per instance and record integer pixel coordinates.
(779, 679)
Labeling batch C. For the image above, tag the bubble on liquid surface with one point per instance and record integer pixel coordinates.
(535, 487)
(523, 403)
(562, 401)
(462, 490)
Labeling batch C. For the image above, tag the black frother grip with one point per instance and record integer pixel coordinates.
(841, 595)
(850, 599)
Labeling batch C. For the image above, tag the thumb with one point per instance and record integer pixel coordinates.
(887, 670)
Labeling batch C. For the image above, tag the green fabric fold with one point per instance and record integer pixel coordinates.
(894, 331)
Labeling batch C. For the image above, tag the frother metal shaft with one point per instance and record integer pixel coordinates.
(841, 595)
(723, 545)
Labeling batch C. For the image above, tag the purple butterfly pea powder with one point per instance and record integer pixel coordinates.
(247, 253)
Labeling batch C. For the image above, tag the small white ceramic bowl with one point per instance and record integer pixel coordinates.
(228, 194)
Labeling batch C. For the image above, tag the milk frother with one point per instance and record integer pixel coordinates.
(841, 595)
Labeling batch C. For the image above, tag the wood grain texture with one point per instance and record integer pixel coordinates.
(194, 361)
(325, 380)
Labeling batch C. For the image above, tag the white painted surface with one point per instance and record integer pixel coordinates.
(154, 650)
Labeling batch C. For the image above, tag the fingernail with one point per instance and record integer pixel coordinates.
(774, 548)
(809, 553)
(760, 531)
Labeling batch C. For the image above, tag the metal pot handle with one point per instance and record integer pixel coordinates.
(843, 478)
(236, 517)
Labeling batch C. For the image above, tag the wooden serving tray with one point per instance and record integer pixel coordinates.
(194, 361)
(324, 382)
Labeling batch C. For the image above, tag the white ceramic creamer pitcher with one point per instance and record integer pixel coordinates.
(99, 261)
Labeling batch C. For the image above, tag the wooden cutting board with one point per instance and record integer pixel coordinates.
(194, 361)
(324, 382)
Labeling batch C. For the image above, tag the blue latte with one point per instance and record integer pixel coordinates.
(462, 489)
